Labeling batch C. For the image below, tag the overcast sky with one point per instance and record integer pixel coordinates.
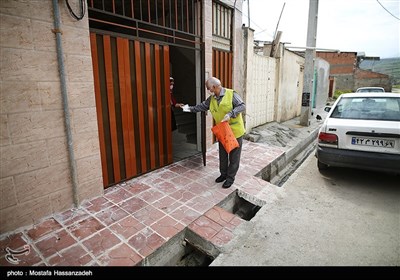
(347, 25)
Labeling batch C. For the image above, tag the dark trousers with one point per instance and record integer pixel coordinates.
(229, 163)
(173, 120)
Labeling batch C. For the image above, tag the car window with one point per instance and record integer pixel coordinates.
(368, 108)
(370, 90)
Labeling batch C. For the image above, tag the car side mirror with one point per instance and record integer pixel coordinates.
(327, 108)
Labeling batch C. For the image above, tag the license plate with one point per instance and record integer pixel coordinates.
(374, 142)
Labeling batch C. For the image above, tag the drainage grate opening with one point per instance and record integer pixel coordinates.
(240, 207)
(179, 252)
(194, 257)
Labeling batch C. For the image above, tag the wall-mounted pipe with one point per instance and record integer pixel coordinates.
(67, 118)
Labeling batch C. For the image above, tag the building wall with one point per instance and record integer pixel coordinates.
(260, 85)
(35, 178)
(343, 67)
(322, 89)
(207, 27)
(238, 47)
(344, 82)
(237, 75)
(364, 78)
(273, 85)
(341, 63)
(290, 86)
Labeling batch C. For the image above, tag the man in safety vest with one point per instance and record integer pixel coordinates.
(225, 105)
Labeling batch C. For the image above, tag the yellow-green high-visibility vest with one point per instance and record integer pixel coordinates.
(225, 106)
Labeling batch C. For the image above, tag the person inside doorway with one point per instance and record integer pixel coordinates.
(173, 104)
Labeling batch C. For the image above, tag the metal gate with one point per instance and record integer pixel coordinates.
(131, 43)
(133, 108)
(222, 55)
(222, 66)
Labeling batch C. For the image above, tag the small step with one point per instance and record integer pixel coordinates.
(191, 138)
(185, 117)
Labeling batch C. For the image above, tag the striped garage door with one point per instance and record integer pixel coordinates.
(222, 67)
(133, 107)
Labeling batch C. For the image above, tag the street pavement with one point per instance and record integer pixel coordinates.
(312, 223)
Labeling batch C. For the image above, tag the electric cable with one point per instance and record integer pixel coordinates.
(82, 9)
(388, 10)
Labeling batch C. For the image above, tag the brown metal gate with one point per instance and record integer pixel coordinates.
(222, 67)
(133, 107)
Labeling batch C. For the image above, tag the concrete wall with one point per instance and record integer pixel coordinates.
(364, 78)
(322, 89)
(288, 102)
(273, 85)
(344, 82)
(35, 178)
(260, 85)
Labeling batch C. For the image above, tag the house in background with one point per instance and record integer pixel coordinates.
(345, 74)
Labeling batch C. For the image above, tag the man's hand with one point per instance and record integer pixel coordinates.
(226, 118)
(185, 108)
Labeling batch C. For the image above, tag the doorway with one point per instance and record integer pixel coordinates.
(183, 69)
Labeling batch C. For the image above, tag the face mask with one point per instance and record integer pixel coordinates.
(171, 86)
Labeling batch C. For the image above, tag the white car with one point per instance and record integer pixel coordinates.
(362, 130)
(370, 89)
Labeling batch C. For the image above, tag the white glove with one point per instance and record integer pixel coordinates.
(226, 118)
(186, 108)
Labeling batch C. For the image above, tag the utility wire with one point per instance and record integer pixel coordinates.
(387, 10)
(81, 7)
(254, 23)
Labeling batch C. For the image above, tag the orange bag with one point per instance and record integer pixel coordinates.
(225, 136)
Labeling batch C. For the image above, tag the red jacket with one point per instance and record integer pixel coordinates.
(173, 100)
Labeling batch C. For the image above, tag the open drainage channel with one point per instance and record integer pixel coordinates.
(279, 171)
(189, 249)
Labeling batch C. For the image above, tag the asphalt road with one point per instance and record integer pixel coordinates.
(342, 217)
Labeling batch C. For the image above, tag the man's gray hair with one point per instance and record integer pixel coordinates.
(213, 82)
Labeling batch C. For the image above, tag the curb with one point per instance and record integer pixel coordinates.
(279, 165)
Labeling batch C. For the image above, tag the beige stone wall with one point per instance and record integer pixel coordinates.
(35, 178)
(207, 27)
(238, 49)
(237, 76)
(288, 101)
(273, 86)
(260, 85)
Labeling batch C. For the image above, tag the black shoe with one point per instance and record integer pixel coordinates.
(227, 184)
(220, 179)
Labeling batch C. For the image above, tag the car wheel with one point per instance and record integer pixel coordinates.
(322, 166)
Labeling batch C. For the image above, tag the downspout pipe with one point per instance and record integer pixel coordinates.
(67, 117)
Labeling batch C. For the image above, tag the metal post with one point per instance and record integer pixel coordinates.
(309, 63)
(64, 94)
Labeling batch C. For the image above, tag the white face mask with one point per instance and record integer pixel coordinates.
(171, 86)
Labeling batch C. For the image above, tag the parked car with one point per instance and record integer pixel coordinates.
(370, 89)
(362, 130)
